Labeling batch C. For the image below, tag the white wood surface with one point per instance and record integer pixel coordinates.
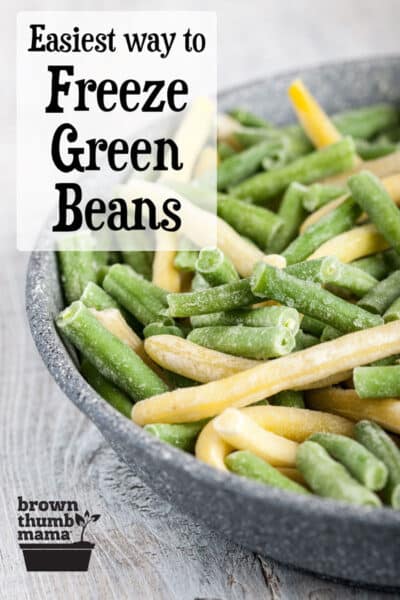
(144, 547)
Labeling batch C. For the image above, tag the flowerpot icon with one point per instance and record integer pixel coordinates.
(57, 557)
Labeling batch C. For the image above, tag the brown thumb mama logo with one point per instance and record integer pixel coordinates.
(44, 535)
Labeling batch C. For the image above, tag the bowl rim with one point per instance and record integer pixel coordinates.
(67, 376)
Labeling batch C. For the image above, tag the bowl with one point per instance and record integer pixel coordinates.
(322, 536)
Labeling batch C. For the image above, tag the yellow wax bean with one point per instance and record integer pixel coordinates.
(353, 244)
(315, 122)
(384, 411)
(211, 448)
(285, 373)
(193, 361)
(297, 424)
(381, 167)
(243, 433)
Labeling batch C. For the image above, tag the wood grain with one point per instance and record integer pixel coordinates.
(145, 549)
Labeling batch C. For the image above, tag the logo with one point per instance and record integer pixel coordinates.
(45, 535)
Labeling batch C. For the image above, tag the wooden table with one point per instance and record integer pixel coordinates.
(145, 549)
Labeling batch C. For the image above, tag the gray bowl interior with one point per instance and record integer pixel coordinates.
(326, 537)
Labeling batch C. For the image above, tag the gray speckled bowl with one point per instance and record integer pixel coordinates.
(326, 537)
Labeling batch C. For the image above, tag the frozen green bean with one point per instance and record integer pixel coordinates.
(313, 326)
(140, 297)
(141, 262)
(367, 121)
(250, 342)
(393, 312)
(166, 327)
(309, 298)
(341, 219)
(106, 389)
(377, 382)
(185, 260)
(223, 297)
(93, 296)
(292, 213)
(249, 465)
(305, 340)
(179, 435)
(374, 265)
(360, 462)
(308, 169)
(319, 194)
(254, 222)
(225, 151)
(288, 398)
(382, 295)
(78, 265)
(111, 357)
(248, 119)
(265, 316)
(372, 150)
(369, 192)
(378, 442)
(330, 479)
(243, 164)
(330, 333)
(347, 277)
(215, 267)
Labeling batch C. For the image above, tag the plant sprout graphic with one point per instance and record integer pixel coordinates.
(84, 521)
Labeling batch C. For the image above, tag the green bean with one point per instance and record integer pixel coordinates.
(254, 222)
(380, 297)
(276, 160)
(107, 390)
(305, 340)
(392, 259)
(367, 121)
(378, 442)
(384, 362)
(185, 260)
(377, 382)
(330, 479)
(250, 342)
(223, 297)
(368, 191)
(292, 213)
(179, 435)
(265, 316)
(140, 297)
(78, 265)
(249, 465)
(393, 312)
(375, 265)
(317, 165)
(199, 283)
(330, 333)
(248, 119)
(141, 262)
(251, 136)
(242, 165)
(111, 357)
(224, 151)
(215, 267)
(93, 296)
(309, 298)
(360, 462)
(309, 270)
(166, 327)
(313, 326)
(347, 277)
(319, 194)
(371, 150)
(288, 398)
(342, 218)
